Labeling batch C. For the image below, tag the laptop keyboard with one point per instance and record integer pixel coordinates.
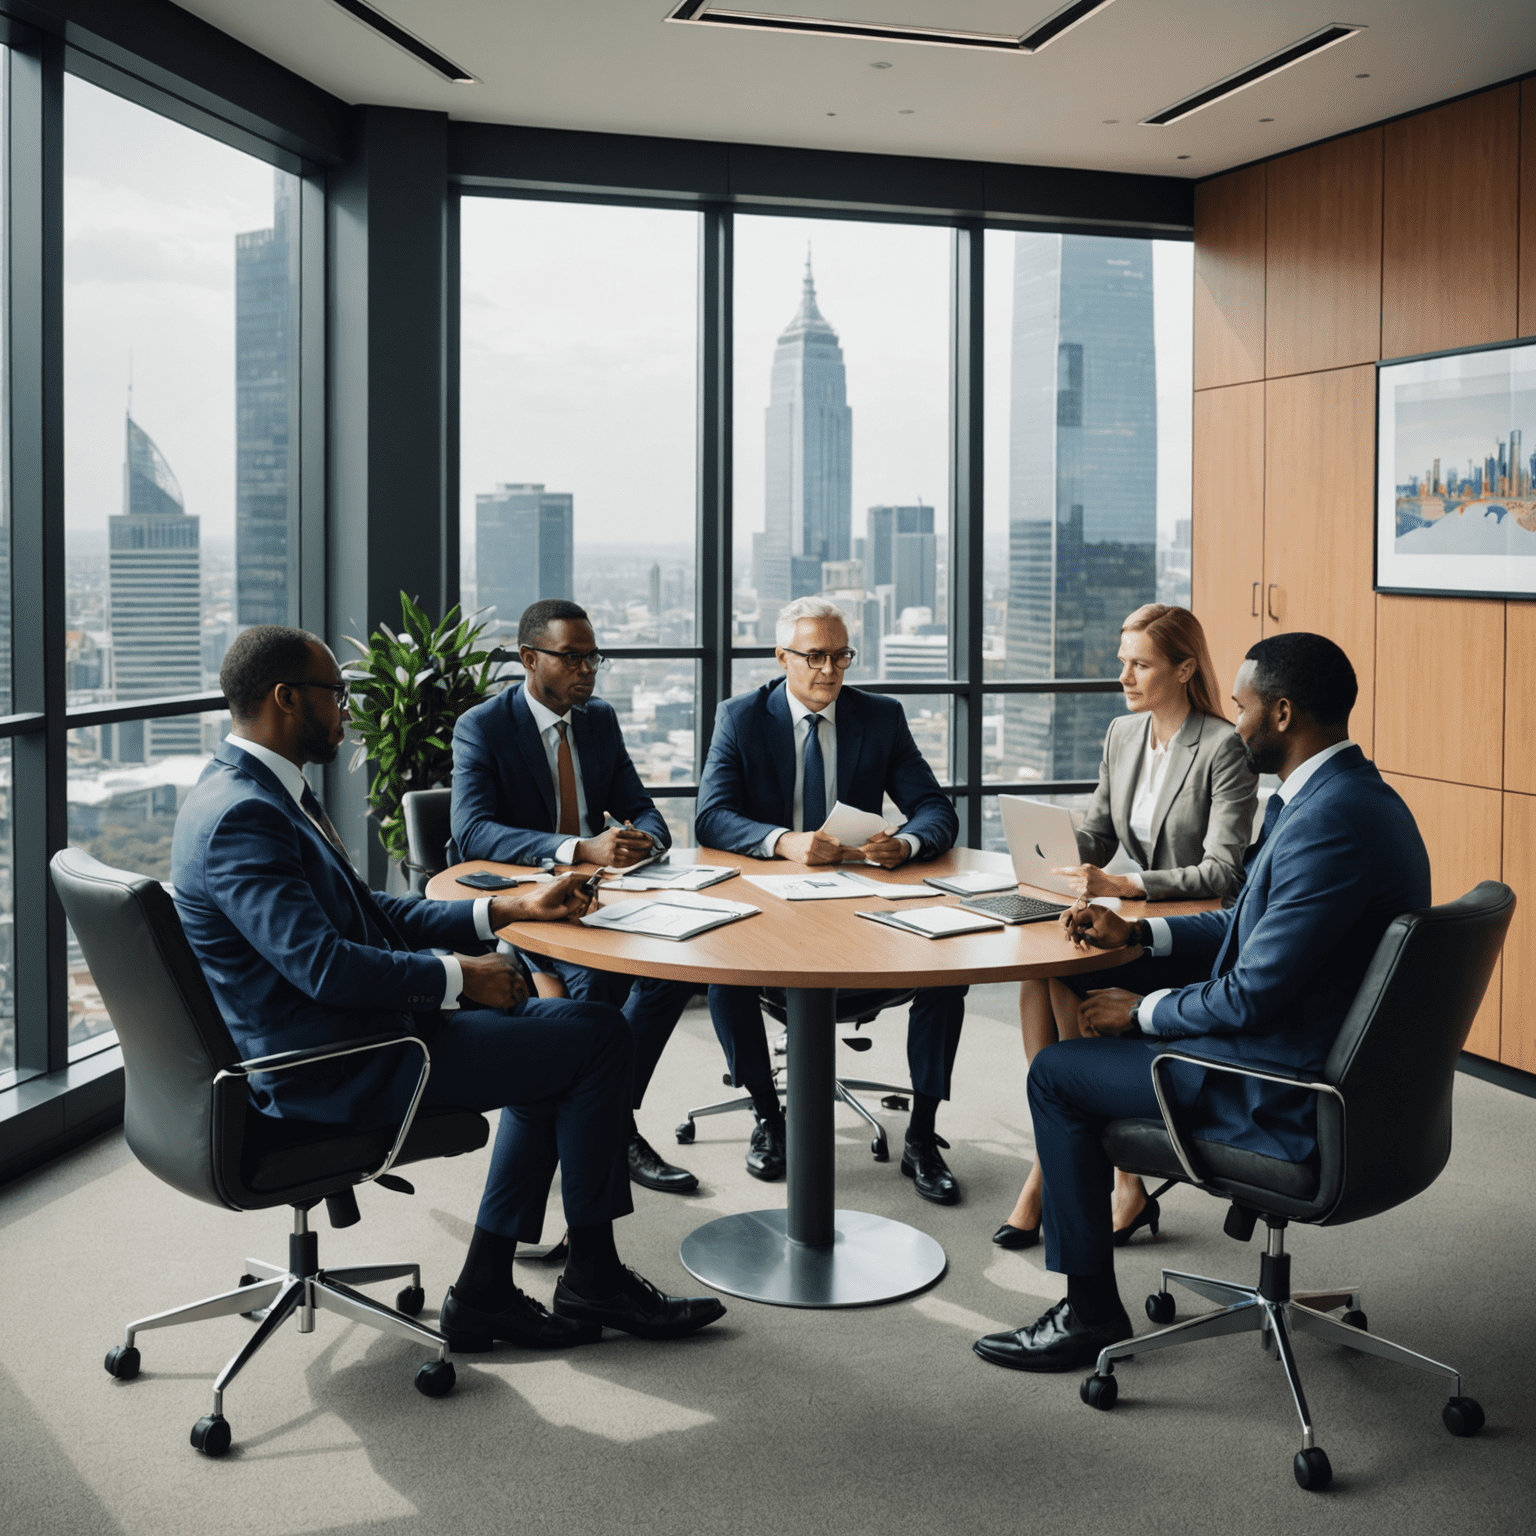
(1014, 907)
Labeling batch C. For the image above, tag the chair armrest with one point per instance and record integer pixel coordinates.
(285, 1061)
(1181, 1144)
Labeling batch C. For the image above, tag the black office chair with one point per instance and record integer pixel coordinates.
(189, 1120)
(427, 834)
(856, 1006)
(1384, 1134)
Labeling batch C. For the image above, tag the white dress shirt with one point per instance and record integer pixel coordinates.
(1162, 936)
(291, 777)
(1149, 785)
(799, 714)
(547, 720)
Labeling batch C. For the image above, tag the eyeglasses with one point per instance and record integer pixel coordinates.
(593, 661)
(343, 691)
(816, 660)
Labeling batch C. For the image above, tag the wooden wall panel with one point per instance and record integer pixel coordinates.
(1528, 208)
(1517, 1033)
(1228, 512)
(1322, 265)
(1520, 698)
(1440, 689)
(1229, 279)
(1450, 225)
(1463, 830)
(1319, 480)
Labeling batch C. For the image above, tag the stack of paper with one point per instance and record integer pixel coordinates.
(680, 877)
(935, 922)
(971, 882)
(828, 887)
(671, 915)
(853, 827)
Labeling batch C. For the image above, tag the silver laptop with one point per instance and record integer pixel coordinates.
(1040, 839)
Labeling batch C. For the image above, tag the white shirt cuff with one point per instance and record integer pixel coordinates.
(911, 842)
(1162, 938)
(483, 919)
(453, 981)
(769, 843)
(1134, 876)
(566, 852)
(1148, 1007)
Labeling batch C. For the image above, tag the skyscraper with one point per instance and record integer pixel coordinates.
(524, 549)
(154, 601)
(266, 406)
(902, 552)
(808, 502)
(1082, 495)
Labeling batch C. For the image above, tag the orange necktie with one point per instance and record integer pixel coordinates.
(565, 771)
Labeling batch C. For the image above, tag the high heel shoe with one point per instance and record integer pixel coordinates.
(1148, 1216)
(1010, 1236)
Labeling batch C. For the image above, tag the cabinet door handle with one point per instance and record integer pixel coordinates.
(1255, 612)
(1269, 600)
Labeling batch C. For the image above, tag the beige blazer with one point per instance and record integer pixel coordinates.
(1202, 821)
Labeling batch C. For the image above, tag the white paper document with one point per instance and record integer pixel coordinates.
(670, 915)
(853, 827)
(685, 877)
(972, 882)
(935, 922)
(828, 887)
(891, 890)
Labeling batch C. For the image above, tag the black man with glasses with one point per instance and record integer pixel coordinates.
(535, 770)
(781, 756)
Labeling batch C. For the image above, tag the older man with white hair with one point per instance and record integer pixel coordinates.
(782, 755)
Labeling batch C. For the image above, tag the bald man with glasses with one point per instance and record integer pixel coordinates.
(535, 772)
(782, 755)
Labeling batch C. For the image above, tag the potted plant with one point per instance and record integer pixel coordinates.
(407, 692)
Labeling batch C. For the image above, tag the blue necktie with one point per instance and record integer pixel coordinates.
(1228, 956)
(1271, 816)
(813, 791)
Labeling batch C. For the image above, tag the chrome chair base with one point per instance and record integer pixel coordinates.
(843, 1090)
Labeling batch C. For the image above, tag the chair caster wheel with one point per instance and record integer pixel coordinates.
(122, 1362)
(895, 1101)
(1463, 1416)
(1356, 1319)
(1160, 1308)
(781, 1043)
(881, 1149)
(435, 1378)
(210, 1434)
(1312, 1469)
(685, 1133)
(411, 1300)
(1101, 1392)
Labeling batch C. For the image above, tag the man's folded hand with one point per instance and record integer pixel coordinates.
(493, 981)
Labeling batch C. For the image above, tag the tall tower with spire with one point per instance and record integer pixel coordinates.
(808, 505)
(154, 597)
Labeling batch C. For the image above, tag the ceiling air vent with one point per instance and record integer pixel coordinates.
(380, 23)
(1325, 37)
(1054, 25)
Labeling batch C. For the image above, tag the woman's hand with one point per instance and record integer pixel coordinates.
(1090, 880)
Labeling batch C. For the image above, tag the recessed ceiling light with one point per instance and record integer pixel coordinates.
(1183, 157)
(905, 112)
(1362, 77)
(831, 114)
(1111, 119)
(1264, 69)
(1266, 119)
(413, 45)
(880, 64)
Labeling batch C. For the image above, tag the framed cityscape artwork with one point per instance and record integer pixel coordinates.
(1456, 473)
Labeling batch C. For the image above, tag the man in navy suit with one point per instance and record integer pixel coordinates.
(298, 952)
(782, 755)
(534, 771)
(1338, 859)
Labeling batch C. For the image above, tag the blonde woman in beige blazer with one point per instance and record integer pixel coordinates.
(1176, 793)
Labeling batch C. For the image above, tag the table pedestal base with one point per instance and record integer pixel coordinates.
(870, 1259)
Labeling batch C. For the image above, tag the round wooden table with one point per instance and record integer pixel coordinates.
(809, 1253)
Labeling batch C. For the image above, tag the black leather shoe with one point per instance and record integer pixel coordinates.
(765, 1160)
(1058, 1342)
(923, 1163)
(524, 1321)
(648, 1167)
(1148, 1216)
(1010, 1236)
(639, 1308)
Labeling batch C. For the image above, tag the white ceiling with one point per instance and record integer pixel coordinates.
(617, 66)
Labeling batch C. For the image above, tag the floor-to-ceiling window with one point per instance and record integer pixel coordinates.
(7, 799)
(578, 419)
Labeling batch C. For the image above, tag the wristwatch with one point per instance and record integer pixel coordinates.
(1136, 1015)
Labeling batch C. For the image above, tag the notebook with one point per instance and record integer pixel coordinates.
(934, 922)
(670, 915)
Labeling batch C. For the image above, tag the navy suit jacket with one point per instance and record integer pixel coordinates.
(298, 952)
(748, 787)
(1343, 859)
(504, 793)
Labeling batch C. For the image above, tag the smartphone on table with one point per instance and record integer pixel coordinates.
(485, 880)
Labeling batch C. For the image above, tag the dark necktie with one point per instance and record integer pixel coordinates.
(310, 805)
(565, 773)
(1271, 816)
(813, 790)
(1228, 957)
(316, 813)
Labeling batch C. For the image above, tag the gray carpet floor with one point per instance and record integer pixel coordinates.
(776, 1420)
